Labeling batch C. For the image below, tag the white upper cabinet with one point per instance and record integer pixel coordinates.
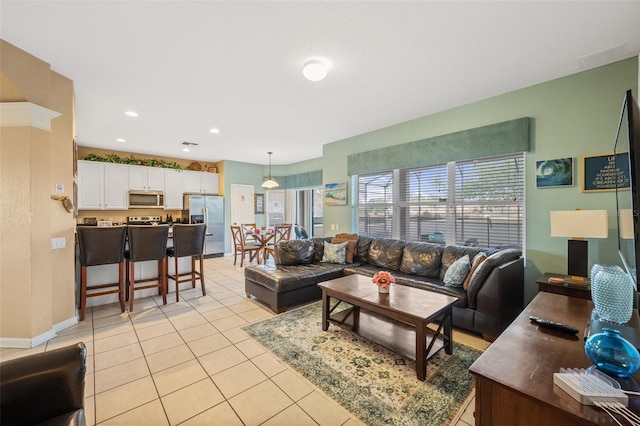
(102, 186)
(115, 187)
(200, 182)
(173, 189)
(143, 178)
(90, 185)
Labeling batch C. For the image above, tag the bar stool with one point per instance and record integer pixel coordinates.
(101, 246)
(188, 240)
(147, 242)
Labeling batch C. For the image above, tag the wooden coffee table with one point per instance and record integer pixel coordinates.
(397, 321)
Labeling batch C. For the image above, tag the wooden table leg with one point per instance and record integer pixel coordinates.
(421, 356)
(325, 310)
(448, 327)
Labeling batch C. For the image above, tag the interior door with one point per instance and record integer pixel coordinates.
(242, 204)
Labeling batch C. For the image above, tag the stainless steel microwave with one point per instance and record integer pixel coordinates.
(146, 200)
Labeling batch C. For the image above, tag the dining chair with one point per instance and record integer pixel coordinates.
(241, 247)
(101, 246)
(188, 240)
(147, 242)
(247, 230)
(281, 233)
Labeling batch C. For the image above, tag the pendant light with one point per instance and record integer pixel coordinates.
(270, 182)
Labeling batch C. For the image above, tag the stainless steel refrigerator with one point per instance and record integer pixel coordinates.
(209, 209)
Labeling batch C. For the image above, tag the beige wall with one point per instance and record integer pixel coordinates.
(37, 284)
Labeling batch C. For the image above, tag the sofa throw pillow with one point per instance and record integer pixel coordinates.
(345, 236)
(455, 275)
(477, 260)
(334, 253)
(351, 248)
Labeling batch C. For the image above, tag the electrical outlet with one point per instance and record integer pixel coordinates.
(58, 243)
(337, 227)
(333, 226)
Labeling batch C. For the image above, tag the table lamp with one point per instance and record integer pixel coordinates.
(578, 225)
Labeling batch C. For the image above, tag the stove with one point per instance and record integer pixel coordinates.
(143, 220)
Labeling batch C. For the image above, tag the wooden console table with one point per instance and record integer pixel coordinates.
(514, 376)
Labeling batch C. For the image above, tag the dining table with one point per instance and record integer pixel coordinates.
(263, 238)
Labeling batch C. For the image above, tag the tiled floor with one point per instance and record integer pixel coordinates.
(190, 363)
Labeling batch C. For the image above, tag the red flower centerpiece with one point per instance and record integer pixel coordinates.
(383, 280)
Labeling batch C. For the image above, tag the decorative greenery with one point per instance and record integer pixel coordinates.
(150, 162)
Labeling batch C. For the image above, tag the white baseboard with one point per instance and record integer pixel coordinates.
(26, 343)
(66, 323)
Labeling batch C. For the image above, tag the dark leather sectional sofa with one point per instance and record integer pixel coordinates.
(493, 299)
(45, 388)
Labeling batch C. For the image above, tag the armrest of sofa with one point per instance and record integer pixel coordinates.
(499, 301)
(44, 386)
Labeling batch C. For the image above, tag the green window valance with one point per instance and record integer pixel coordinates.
(300, 180)
(495, 139)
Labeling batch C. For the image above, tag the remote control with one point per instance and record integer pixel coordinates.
(545, 323)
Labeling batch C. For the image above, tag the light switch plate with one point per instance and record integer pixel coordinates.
(58, 243)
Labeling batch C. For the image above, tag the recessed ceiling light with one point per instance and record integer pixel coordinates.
(131, 113)
(315, 70)
(214, 130)
(121, 140)
(186, 149)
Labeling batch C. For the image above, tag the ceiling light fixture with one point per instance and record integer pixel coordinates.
(121, 140)
(186, 149)
(269, 182)
(131, 113)
(214, 130)
(315, 70)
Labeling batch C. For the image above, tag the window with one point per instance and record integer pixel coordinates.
(474, 203)
(375, 204)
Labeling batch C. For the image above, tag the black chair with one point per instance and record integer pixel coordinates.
(147, 242)
(44, 388)
(188, 240)
(101, 246)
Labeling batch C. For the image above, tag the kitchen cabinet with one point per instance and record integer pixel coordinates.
(173, 189)
(200, 182)
(102, 186)
(143, 178)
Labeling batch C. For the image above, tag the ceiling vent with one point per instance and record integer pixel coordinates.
(189, 144)
(603, 57)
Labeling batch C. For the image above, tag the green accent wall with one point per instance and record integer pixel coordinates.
(572, 116)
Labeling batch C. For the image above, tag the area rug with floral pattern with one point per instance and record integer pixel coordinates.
(375, 384)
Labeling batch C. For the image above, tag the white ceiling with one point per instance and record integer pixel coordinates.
(187, 66)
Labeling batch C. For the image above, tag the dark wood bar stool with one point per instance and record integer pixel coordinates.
(188, 240)
(101, 246)
(147, 242)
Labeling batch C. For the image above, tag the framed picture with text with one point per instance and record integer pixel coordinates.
(604, 172)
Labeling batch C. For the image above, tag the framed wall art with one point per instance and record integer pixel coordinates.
(554, 173)
(604, 172)
(258, 203)
(335, 194)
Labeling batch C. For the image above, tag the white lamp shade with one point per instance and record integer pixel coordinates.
(270, 183)
(580, 223)
(625, 219)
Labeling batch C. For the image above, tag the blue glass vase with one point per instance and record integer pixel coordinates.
(612, 293)
(612, 353)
